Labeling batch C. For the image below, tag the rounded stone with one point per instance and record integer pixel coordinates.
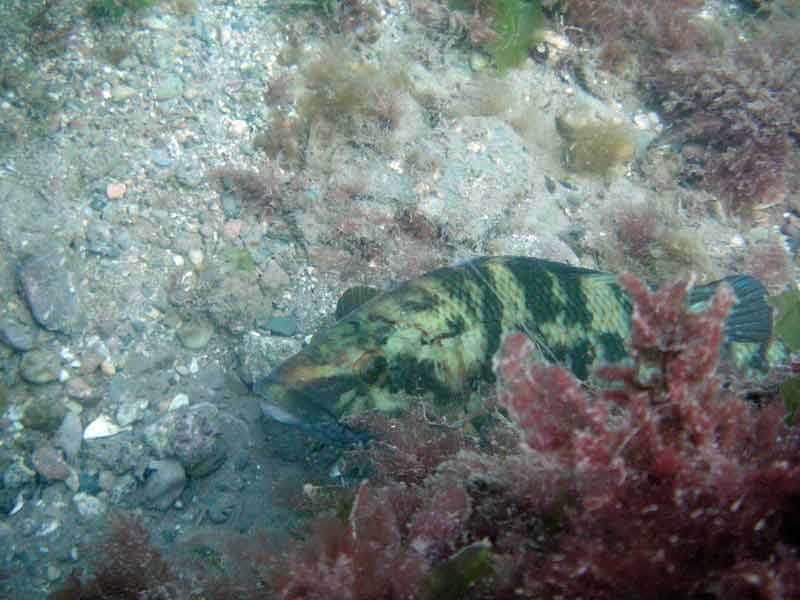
(164, 484)
(195, 334)
(39, 366)
(49, 290)
(50, 464)
(89, 507)
(44, 414)
(20, 337)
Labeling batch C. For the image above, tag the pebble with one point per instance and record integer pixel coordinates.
(274, 278)
(129, 412)
(160, 157)
(50, 463)
(44, 414)
(222, 508)
(190, 435)
(195, 334)
(285, 326)
(98, 240)
(115, 191)
(179, 401)
(78, 389)
(154, 24)
(20, 337)
(168, 88)
(106, 480)
(478, 61)
(232, 228)
(69, 436)
(89, 507)
(53, 573)
(39, 366)
(189, 173)
(239, 128)
(108, 368)
(196, 257)
(48, 289)
(165, 482)
(17, 475)
(120, 93)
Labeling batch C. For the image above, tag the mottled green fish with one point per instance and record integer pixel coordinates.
(434, 337)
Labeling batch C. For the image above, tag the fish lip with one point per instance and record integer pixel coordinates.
(327, 428)
(276, 413)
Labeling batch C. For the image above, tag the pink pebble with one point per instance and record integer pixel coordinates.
(232, 228)
(115, 191)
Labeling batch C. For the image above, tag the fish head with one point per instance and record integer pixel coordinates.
(343, 371)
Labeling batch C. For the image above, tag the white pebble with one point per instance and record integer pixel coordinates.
(115, 191)
(108, 368)
(179, 401)
(196, 257)
(239, 128)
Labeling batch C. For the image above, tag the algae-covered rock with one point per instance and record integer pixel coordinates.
(594, 145)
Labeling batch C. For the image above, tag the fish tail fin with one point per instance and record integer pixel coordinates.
(750, 319)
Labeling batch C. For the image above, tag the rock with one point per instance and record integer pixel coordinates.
(161, 157)
(232, 228)
(115, 190)
(190, 435)
(168, 88)
(129, 412)
(164, 483)
(78, 389)
(285, 326)
(69, 436)
(50, 464)
(195, 334)
(20, 337)
(179, 401)
(189, 173)
(89, 507)
(120, 93)
(274, 278)
(542, 245)
(39, 366)
(44, 414)
(196, 257)
(258, 354)
(223, 507)
(17, 475)
(101, 240)
(48, 287)
(239, 128)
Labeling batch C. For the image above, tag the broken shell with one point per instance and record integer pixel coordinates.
(556, 40)
(102, 427)
(18, 504)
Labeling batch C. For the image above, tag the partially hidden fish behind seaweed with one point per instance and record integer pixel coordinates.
(434, 338)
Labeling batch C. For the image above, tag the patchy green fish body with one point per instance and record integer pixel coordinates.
(434, 337)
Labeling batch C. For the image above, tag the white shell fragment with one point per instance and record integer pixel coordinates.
(20, 502)
(102, 427)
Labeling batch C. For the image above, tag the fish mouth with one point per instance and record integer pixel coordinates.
(296, 409)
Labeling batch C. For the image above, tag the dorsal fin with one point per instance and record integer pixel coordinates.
(751, 317)
(354, 298)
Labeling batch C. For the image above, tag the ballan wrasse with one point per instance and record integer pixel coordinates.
(434, 338)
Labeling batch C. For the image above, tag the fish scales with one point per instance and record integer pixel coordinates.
(434, 337)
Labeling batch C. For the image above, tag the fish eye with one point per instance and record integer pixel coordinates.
(371, 367)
